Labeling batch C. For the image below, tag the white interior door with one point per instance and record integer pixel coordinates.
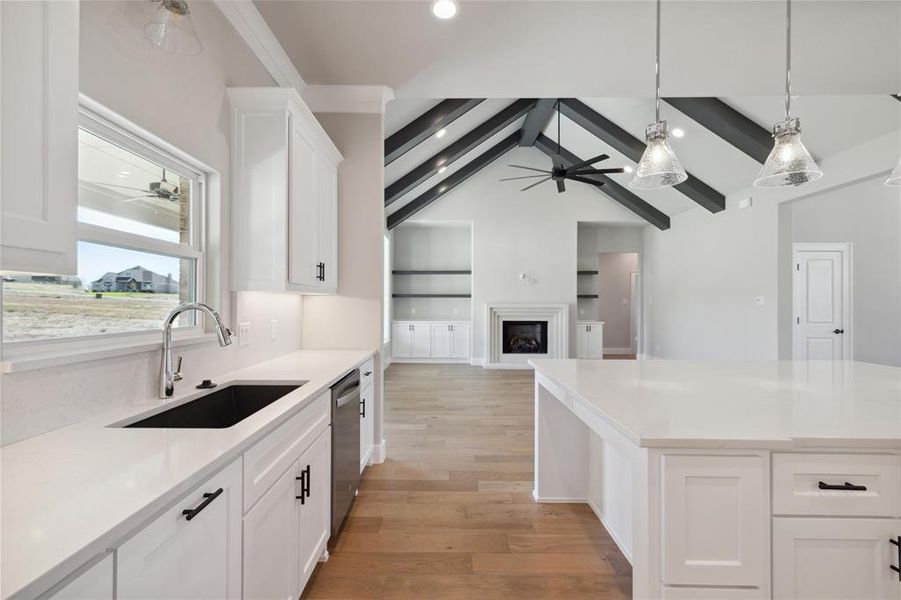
(633, 312)
(822, 297)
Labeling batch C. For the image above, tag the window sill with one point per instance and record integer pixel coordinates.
(87, 350)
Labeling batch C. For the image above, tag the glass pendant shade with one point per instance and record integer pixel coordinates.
(171, 29)
(894, 180)
(659, 167)
(789, 163)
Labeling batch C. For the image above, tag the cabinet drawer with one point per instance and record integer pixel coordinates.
(265, 462)
(797, 477)
(367, 372)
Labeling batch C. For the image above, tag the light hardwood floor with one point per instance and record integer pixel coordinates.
(450, 512)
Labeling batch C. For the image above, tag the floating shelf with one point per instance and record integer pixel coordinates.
(587, 272)
(431, 295)
(431, 272)
(586, 295)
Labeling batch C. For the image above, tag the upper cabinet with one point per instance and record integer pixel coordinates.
(39, 136)
(284, 194)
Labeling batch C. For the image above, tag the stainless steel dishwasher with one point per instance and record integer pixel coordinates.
(345, 446)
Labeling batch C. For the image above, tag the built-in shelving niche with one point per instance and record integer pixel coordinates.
(432, 272)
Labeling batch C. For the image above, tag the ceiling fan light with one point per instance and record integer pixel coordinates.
(789, 163)
(659, 166)
(894, 180)
(172, 30)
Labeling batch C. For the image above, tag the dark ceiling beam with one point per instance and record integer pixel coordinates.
(727, 123)
(611, 188)
(897, 97)
(457, 149)
(622, 141)
(537, 120)
(427, 125)
(454, 180)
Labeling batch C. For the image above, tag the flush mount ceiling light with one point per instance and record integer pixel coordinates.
(789, 163)
(445, 9)
(171, 29)
(659, 166)
(894, 180)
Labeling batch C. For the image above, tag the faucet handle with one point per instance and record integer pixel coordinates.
(177, 376)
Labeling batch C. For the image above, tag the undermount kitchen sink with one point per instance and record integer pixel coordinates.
(220, 409)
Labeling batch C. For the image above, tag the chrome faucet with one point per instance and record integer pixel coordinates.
(168, 375)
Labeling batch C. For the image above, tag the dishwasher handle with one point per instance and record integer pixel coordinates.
(343, 400)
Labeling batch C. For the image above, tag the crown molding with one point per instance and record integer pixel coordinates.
(348, 98)
(252, 28)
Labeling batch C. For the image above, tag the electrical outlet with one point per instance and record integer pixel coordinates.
(273, 330)
(746, 202)
(243, 334)
(413, 310)
(759, 301)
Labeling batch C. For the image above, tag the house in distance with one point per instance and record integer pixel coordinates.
(136, 279)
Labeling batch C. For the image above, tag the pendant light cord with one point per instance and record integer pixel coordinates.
(657, 70)
(788, 58)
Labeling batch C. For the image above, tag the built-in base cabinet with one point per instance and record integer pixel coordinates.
(590, 339)
(429, 340)
(367, 416)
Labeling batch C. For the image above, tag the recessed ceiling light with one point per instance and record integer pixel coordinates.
(445, 9)
(628, 169)
(677, 133)
(123, 174)
(442, 170)
(440, 133)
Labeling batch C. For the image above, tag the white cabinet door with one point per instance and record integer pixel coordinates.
(835, 558)
(327, 181)
(402, 340)
(303, 212)
(460, 341)
(715, 520)
(315, 506)
(581, 340)
(95, 583)
(193, 555)
(441, 340)
(272, 542)
(367, 425)
(39, 129)
(595, 340)
(422, 340)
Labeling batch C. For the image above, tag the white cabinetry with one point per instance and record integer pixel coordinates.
(284, 187)
(39, 129)
(367, 416)
(430, 340)
(193, 550)
(411, 340)
(94, 583)
(315, 505)
(450, 340)
(835, 558)
(590, 339)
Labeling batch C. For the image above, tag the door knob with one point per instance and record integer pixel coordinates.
(838, 331)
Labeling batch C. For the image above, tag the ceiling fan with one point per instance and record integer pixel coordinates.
(559, 172)
(162, 190)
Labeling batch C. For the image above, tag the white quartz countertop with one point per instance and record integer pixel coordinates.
(72, 493)
(712, 404)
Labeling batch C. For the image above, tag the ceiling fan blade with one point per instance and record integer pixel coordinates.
(561, 186)
(595, 171)
(585, 163)
(530, 168)
(523, 177)
(585, 180)
(529, 187)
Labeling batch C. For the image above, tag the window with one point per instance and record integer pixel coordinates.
(139, 245)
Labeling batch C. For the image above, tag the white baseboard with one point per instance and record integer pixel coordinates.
(378, 454)
(477, 362)
(619, 544)
(550, 500)
(617, 350)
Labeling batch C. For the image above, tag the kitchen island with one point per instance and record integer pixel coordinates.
(731, 479)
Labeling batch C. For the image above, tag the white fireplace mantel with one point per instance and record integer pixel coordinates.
(556, 315)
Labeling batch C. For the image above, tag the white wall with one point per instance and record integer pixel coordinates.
(516, 232)
(181, 100)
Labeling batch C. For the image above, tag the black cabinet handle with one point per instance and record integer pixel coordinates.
(897, 542)
(303, 486)
(307, 481)
(208, 497)
(367, 373)
(838, 331)
(363, 407)
(849, 487)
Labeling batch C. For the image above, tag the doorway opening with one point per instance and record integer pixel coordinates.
(822, 301)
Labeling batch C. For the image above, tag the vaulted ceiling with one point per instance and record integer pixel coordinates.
(725, 142)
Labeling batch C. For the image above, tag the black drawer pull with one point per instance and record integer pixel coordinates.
(190, 513)
(897, 542)
(367, 373)
(849, 487)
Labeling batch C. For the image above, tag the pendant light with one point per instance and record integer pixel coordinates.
(894, 180)
(171, 29)
(789, 163)
(659, 166)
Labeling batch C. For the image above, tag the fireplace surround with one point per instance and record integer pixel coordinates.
(541, 331)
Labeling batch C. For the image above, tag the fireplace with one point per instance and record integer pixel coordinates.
(524, 337)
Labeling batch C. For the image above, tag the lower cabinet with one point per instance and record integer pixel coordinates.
(411, 340)
(836, 558)
(367, 425)
(430, 339)
(590, 339)
(192, 550)
(95, 582)
(315, 506)
(450, 340)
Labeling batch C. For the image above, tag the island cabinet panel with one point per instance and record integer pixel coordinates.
(835, 558)
(94, 582)
(188, 555)
(853, 485)
(715, 520)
